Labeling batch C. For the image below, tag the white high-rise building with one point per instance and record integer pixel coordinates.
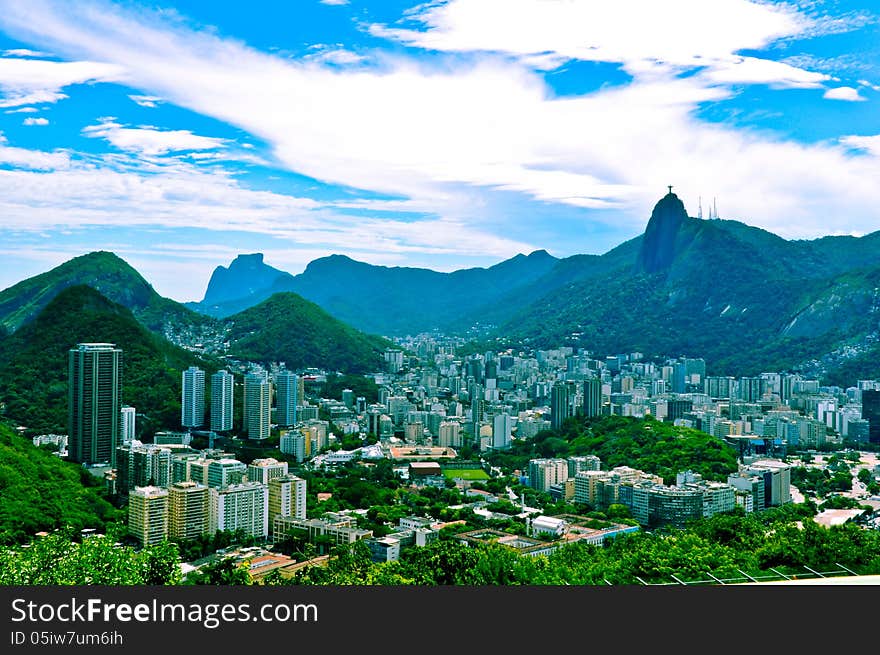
(126, 423)
(264, 470)
(449, 434)
(544, 473)
(286, 387)
(293, 443)
(221, 401)
(287, 497)
(502, 426)
(241, 506)
(258, 405)
(192, 402)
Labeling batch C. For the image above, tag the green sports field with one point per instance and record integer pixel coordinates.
(466, 474)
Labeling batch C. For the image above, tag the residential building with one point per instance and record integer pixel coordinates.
(265, 469)
(93, 403)
(287, 497)
(189, 509)
(286, 398)
(258, 405)
(127, 416)
(192, 401)
(148, 515)
(222, 385)
(242, 506)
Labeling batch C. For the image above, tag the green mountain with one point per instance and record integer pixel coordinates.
(34, 360)
(109, 275)
(743, 298)
(376, 299)
(288, 328)
(39, 491)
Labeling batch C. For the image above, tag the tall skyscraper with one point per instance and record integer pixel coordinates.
(559, 404)
(502, 426)
(192, 402)
(257, 402)
(286, 387)
(221, 401)
(592, 397)
(127, 416)
(93, 402)
(871, 412)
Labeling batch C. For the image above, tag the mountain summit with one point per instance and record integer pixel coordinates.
(246, 275)
(659, 242)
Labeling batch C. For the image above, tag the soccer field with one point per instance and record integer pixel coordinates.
(466, 474)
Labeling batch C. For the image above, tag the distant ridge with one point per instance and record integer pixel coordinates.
(376, 299)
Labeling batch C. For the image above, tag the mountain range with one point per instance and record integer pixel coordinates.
(741, 297)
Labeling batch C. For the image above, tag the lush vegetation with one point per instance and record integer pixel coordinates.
(649, 445)
(106, 273)
(60, 559)
(784, 539)
(734, 320)
(34, 363)
(360, 385)
(39, 491)
(287, 328)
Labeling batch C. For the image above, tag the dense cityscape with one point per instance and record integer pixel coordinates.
(472, 431)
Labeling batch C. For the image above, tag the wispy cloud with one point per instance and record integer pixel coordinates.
(24, 52)
(31, 81)
(334, 2)
(869, 144)
(148, 140)
(35, 121)
(30, 160)
(146, 101)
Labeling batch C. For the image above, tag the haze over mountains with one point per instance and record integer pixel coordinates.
(741, 297)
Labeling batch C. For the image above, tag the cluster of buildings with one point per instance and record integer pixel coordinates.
(184, 495)
(757, 485)
(430, 396)
(432, 402)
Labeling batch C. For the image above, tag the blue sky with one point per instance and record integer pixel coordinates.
(442, 135)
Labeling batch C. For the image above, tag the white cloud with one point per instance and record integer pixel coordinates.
(847, 93)
(22, 110)
(751, 70)
(643, 35)
(146, 101)
(33, 160)
(438, 137)
(149, 140)
(338, 56)
(24, 52)
(31, 81)
(869, 85)
(35, 121)
(334, 2)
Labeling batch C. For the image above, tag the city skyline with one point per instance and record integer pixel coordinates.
(434, 136)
